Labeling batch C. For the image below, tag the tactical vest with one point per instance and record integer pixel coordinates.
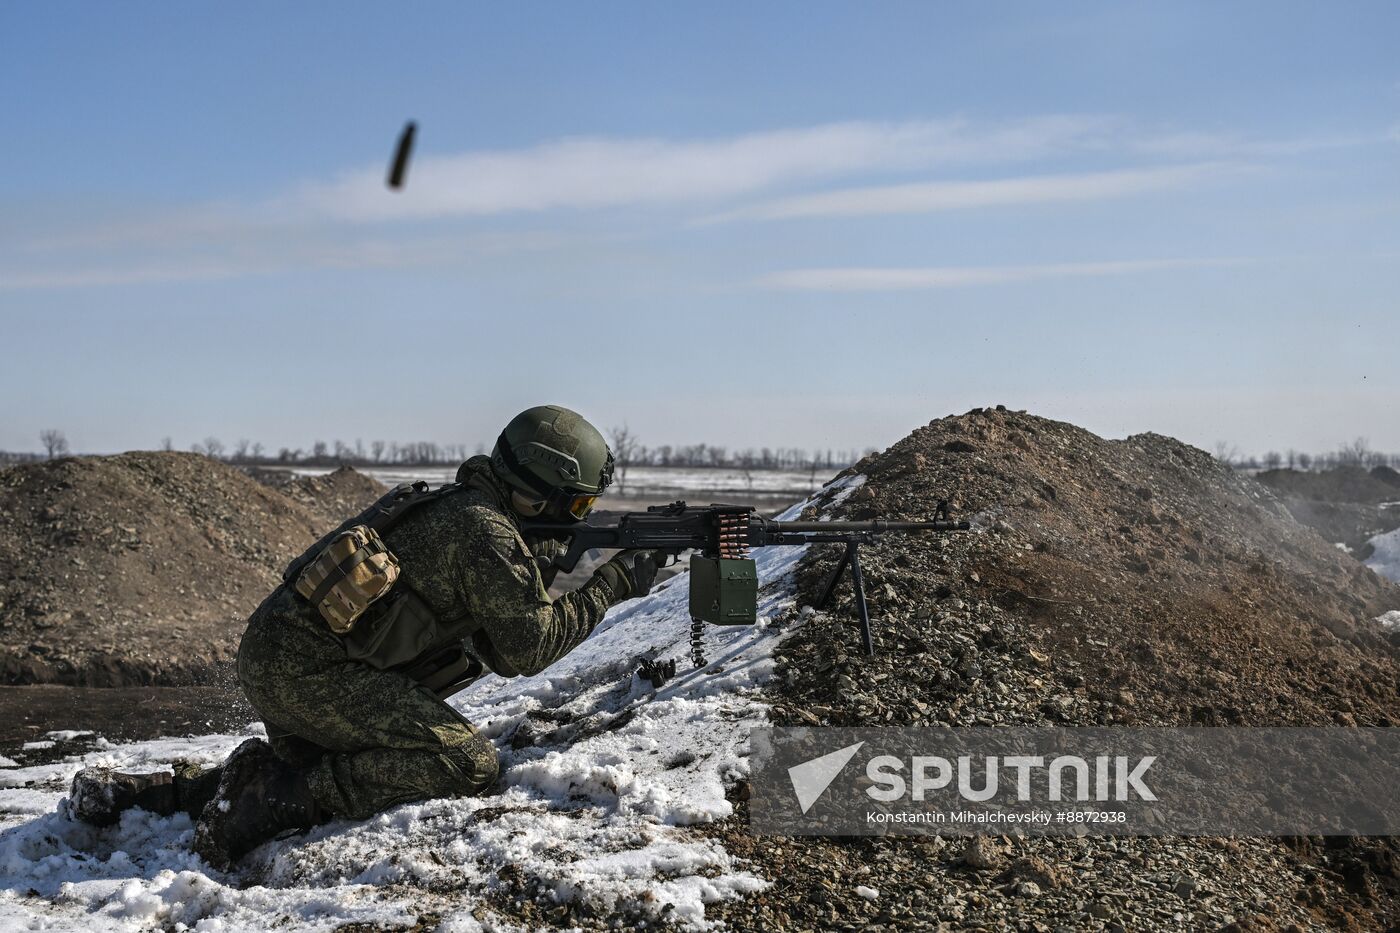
(349, 578)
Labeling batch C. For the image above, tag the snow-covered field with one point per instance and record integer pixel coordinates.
(592, 810)
(641, 481)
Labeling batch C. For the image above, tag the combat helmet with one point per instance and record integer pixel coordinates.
(551, 453)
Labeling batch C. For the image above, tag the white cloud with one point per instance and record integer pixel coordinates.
(903, 279)
(355, 221)
(927, 197)
(600, 172)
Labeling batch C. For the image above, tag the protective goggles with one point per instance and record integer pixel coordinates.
(567, 502)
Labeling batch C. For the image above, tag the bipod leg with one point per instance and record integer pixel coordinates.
(830, 587)
(858, 582)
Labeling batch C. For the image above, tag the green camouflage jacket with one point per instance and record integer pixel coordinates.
(467, 576)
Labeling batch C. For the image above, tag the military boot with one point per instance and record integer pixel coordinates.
(99, 796)
(260, 797)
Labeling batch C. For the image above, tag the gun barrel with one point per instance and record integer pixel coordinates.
(877, 526)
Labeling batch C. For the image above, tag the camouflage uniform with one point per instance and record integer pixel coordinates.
(347, 711)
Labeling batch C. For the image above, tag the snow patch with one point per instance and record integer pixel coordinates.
(8, 762)
(1390, 621)
(839, 490)
(1386, 558)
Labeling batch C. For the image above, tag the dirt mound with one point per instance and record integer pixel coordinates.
(1160, 586)
(1347, 505)
(1135, 581)
(140, 568)
(1343, 484)
(335, 496)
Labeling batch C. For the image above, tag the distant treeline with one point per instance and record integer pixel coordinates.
(1358, 453)
(627, 451)
(630, 452)
(429, 453)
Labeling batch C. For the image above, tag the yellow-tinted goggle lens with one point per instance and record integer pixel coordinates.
(580, 506)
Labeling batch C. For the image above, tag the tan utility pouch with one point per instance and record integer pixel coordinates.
(347, 576)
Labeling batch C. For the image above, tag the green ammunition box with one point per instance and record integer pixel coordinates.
(723, 591)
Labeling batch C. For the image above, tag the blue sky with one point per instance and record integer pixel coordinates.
(812, 224)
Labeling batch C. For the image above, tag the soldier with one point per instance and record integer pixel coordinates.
(356, 721)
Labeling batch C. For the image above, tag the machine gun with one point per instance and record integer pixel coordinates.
(723, 577)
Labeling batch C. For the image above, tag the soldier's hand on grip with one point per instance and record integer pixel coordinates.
(637, 570)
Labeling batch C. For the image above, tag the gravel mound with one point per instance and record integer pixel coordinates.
(141, 568)
(1136, 582)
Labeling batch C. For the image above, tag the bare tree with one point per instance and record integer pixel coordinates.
(167, 444)
(1226, 452)
(240, 450)
(55, 444)
(1273, 460)
(213, 448)
(624, 448)
(1357, 453)
(257, 451)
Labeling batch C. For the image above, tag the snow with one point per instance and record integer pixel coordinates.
(842, 490)
(870, 894)
(1390, 621)
(1386, 557)
(593, 809)
(8, 762)
(67, 735)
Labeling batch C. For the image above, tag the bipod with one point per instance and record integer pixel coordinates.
(852, 559)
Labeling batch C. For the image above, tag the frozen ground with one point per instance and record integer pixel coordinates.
(590, 816)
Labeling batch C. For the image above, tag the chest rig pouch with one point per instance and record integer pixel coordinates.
(351, 568)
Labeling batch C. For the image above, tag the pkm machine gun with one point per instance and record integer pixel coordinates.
(723, 575)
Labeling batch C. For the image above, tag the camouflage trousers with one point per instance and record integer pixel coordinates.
(367, 739)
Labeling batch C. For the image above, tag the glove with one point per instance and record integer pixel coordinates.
(631, 573)
(545, 551)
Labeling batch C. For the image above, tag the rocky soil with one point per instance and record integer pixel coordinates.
(140, 568)
(1135, 582)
